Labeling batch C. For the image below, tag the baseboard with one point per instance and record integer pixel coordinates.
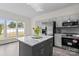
(58, 47)
(3, 42)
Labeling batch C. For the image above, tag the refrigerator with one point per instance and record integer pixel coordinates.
(50, 30)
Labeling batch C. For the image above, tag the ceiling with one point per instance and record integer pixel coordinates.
(34, 9)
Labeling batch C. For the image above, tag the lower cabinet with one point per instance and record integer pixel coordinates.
(42, 49)
(58, 40)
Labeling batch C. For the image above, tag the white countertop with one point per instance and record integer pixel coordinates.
(31, 41)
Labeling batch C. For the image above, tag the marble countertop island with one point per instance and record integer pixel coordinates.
(31, 41)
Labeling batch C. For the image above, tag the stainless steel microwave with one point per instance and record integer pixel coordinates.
(71, 23)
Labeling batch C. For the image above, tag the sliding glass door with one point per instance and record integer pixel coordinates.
(20, 29)
(2, 21)
(11, 29)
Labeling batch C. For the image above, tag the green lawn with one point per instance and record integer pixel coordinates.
(12, 35)
(1, 37)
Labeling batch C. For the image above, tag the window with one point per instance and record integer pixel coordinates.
(20, 29)
(2, 28)
(11, 29)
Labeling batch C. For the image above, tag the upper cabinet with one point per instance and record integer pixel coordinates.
(59, 24)
(59, 21)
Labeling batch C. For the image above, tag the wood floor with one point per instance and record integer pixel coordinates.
(12, 49)
(63, 52)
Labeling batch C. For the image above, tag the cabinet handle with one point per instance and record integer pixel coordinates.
(74, 41)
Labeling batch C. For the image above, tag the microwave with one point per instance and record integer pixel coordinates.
(71, 23)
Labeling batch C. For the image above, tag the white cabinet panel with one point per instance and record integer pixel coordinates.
(58, 41)
(59, 21)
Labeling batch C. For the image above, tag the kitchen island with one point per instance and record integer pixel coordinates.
(30, 46)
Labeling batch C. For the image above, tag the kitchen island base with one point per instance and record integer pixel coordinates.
(41, 49)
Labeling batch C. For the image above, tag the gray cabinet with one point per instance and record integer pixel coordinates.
(42, 49)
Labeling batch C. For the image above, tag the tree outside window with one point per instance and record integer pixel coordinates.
(12, 25)
(0, 29)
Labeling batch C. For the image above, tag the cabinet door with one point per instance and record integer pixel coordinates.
(43, 49)
(58, 40)
(46, 50)
(59, 22)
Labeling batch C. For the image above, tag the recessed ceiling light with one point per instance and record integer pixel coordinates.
(36, 6)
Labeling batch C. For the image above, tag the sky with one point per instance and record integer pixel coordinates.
(8, 21)
(1, 21)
